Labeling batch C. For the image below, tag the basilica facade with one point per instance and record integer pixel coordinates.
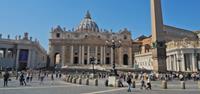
(75, 47)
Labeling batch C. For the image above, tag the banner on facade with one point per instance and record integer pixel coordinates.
(23, 55)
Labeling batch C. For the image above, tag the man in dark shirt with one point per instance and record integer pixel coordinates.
(129, 83)
(6, 77)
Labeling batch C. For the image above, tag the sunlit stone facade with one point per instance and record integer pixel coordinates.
(75, 47)
(182, 50)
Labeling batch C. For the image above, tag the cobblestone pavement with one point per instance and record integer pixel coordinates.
(60, 87)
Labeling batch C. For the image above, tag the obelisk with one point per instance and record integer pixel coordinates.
(158, 40)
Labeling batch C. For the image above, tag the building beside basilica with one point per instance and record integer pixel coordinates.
(76, 47)
(21, 53)
(168, 48)
(182, 50)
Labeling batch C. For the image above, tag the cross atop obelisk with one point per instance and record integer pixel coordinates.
(158, 41)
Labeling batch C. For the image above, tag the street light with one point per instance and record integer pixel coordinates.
(92, 59)
(113, 44)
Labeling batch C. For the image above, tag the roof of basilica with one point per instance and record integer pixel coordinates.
(87, 24)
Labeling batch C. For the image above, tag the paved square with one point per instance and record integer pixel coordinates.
(58, 86)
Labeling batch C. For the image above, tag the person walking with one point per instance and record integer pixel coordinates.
(142, 84)
(6, 78)
(148, 84)
(22, 79)
(129, 83)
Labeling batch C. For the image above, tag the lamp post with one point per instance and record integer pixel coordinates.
(92, 59)
(113, 44)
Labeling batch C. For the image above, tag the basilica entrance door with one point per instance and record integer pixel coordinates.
(75, 60)
(107, 60)
(125, 59)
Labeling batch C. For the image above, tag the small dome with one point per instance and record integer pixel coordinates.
(87, 24)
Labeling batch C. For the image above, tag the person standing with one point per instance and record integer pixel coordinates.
(60, 75)
(42, 78)
(27, 77)
(31, 77)
(52, 78)
(129, 83)
(6, 78)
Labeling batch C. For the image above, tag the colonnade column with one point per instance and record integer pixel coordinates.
(72, 54)
(170, 64)
(17, 59)
(6, 53)
(174, 62)
(177, 63)
(29, 59)
(167, 63)
(194, 61)
(183, 62)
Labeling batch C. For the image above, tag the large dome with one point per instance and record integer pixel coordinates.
(87, 24)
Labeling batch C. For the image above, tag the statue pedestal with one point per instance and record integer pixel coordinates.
(112, 81)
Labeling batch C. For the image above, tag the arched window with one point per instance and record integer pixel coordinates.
(125, 37)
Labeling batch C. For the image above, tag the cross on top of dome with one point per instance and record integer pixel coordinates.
(87, 16)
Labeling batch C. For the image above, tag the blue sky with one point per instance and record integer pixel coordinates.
(38, 16)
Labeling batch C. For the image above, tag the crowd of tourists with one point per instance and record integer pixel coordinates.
(25, 77)
(146, 78)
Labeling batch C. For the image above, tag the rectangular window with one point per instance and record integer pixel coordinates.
(58, 35)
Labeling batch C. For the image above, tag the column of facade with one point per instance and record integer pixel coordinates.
(111, 56)
(72, 54)
(88, 55)
(194, 61)
(63, 57)
(96, 54)
(130, 57)
(83, 54)
(80, 56)
(120, 56)
(101, 55)
(104, 55)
